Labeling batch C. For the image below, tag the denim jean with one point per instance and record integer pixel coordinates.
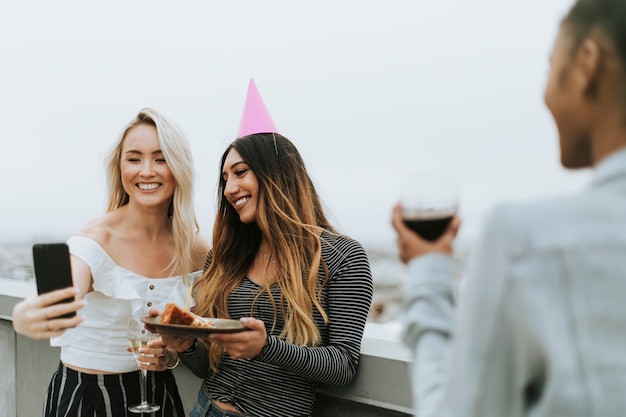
(204, 407)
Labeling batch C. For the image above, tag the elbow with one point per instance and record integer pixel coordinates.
(345, 378)
(199, 368)
(200, 374)
(346, 382)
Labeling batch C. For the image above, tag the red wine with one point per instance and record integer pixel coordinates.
(430, 228)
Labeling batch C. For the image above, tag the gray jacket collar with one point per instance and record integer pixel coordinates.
(611, 168)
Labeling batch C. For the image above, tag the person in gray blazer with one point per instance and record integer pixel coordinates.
(540, 327)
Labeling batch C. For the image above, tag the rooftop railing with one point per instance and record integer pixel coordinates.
(381, 388)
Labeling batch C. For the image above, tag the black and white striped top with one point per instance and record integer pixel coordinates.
(282, 380)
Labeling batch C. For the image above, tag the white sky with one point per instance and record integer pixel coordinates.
(366, 89)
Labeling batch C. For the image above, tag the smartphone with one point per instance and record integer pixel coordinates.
(52, 269)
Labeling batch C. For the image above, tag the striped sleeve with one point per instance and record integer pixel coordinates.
(349, 291)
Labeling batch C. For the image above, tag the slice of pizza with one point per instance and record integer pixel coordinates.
(176, 315)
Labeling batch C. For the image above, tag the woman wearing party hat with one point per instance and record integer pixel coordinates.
(302, 289)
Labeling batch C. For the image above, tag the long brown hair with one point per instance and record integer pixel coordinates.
(290, 218)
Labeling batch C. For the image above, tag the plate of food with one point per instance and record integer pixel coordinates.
(174, 321)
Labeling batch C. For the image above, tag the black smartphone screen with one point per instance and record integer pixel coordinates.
(52, 269)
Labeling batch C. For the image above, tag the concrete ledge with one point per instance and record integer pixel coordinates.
(381, 388)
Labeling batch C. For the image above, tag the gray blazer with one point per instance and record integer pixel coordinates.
(541, 325)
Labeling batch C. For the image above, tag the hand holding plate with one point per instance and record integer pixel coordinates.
(243, 345)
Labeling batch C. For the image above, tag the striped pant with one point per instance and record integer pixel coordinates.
(76, 394)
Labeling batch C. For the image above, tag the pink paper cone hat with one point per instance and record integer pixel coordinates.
(255, 117)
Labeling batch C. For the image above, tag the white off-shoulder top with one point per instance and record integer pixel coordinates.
(100, 342)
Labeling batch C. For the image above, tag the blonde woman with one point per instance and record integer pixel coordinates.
(144, 251)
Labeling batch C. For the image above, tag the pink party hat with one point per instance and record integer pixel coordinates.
(255, 117)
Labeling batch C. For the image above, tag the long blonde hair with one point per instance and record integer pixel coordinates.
(291, 219)
(177, 152)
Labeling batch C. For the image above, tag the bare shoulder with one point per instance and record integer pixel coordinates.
(200, 250)
(98, 229)
(200, 243)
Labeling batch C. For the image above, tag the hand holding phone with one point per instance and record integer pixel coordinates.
(53, 270)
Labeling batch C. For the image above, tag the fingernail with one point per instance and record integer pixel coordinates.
(244, 320)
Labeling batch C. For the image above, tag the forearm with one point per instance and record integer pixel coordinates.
(196, 359)
(349, 294)
(332, 365)
(336, 362)
(427, 328)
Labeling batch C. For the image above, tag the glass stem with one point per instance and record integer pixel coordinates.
(142, 386)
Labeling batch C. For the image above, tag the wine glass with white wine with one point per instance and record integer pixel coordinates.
(138, 337)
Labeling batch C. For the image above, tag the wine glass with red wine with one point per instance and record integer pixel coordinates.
(429, 201)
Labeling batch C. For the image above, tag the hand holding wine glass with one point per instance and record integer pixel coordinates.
(429, 201)
(139, 337)
(425, 218)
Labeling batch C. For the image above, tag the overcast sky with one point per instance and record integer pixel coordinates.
(367, 90)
